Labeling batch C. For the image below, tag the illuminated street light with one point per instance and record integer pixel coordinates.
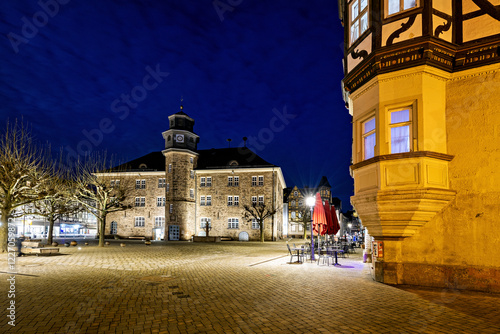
(310, 201)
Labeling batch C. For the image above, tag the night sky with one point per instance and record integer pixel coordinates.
(100, 75)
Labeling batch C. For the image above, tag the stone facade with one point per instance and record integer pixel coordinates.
(173, 192)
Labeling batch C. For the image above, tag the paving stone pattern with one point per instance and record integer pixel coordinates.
(228, 287)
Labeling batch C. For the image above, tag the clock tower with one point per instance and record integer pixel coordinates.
(180, 162)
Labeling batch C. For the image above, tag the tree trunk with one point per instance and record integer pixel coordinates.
(305, 232)
(261, 231)
(4, 231)
(51, 230)
(102, 224)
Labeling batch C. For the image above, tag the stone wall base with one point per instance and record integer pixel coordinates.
(206, 239)
(438, 276)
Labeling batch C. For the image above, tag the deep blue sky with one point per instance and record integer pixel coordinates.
(68, 72)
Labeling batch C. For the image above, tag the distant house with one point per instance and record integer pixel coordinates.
(295, 199)
(182, 189)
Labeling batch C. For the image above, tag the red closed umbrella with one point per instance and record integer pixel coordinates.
(329, 220)
(319, 217)
(336, 225)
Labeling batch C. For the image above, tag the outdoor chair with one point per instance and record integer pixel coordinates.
(298, 254)
(325, 255)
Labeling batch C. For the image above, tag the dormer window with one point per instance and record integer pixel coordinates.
(359, 18)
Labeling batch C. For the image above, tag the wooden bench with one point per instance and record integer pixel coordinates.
(37, 248)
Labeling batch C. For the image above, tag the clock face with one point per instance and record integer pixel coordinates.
(179, 138)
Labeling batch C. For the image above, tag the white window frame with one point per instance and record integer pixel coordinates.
(356, 14)
(159, 221)
(160, 201)
(261, 200)
(236, 181)
(254, 181)
(229, 181)
(191, 193)
(202, 182)
(261, 180)
(161, 183)
(202, 201)
(140, 184)
(203, 222)
(229, 200)
(233, 223)
(139, 222)
(209, 181)
(367, 134)
(236, 200)
(209, 200)
(408, 123)
(254, 200)
(140, 202)
(255, 224)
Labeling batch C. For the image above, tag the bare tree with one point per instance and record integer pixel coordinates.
(57, 201)
(304, 219)
(101, 189)
(21, 173)
(259, 212)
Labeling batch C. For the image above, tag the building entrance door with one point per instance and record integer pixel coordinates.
(243, 236)
(114, 227)
(173, 232)
(158, 233)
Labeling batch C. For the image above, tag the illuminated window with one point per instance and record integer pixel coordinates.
(369, 137)
(359, 18)
(236, 181)
(229, 181)
(261, 200)
(140, 184)
(400, 126)
(254, 200)
(396, 6)
(293, 214)
(233, 223)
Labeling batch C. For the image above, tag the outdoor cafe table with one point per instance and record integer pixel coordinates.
(334, 250)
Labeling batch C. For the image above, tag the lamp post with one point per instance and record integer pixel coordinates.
(310, 201)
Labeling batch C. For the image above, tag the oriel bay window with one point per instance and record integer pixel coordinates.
(369, 138)
(359, 18)
(400, 130)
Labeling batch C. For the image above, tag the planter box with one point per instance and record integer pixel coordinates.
(206, 239)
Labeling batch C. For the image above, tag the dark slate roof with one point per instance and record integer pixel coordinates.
(207, 159)
(154, 161)
(324, 183)
(243, 157)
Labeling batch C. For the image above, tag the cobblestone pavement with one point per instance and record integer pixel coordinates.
(229, 287)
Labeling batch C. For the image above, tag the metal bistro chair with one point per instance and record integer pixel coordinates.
(299, 255)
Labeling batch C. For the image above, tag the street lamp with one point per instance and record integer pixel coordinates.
(310, 201)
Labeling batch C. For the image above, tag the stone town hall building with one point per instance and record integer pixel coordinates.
(181, 189)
